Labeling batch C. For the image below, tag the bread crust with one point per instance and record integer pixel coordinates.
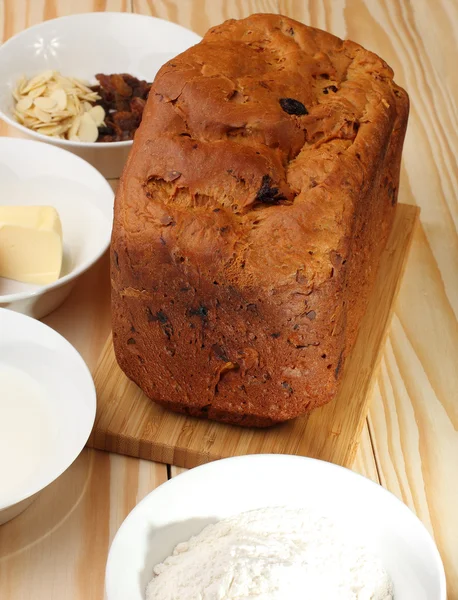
(251, 217)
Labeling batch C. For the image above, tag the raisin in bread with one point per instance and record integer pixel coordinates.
(250, 220)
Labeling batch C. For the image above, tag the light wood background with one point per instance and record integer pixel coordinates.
(57, 549)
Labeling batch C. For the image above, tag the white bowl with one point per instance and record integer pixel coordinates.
(183, 506)
(35, 173)
(81, 46)
(42, 433)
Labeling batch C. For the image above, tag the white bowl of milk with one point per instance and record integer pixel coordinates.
(47, 409)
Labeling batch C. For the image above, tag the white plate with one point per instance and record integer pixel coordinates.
(35, 173)
(183, 506)
(40, 438)
(81, 46)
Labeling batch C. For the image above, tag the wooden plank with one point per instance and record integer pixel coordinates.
(364, 463)
(129, 423)
(200, 15)
(90, 300)
(174, 471)
(414, 417)
(58, 547)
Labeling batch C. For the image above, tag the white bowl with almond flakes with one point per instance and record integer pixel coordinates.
(80, 46)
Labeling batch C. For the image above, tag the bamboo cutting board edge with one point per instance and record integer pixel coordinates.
(129, 423)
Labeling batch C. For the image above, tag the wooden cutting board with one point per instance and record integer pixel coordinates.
(127, 422)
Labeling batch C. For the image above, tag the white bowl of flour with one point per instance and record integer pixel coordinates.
(273, 528)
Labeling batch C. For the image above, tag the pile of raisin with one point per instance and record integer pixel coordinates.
(123, 99)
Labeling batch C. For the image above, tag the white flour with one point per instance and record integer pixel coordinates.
(273, 554)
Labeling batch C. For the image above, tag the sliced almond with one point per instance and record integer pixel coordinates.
(80, 85)
(64, 83)
(97, 114)
(38, 91)
(47, 104)
(73, 104)
(30, 112)
(22, 81)
(60, 97)
(58, 106)
(91, 97)
(73, 131)
(37, 81)
(42, 115)
(50, 130)
(24, 103)
(61, 128)
(87, 131)
(50, 124)
(32, 84)
(65, 126)
(61, 116)
(31, 123)
(19, 117)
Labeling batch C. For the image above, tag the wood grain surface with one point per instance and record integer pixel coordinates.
(129, 423)
(57, 549)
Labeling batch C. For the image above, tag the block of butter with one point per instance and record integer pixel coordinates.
(30, 244)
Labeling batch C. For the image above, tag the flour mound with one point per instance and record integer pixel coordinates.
(273, 554)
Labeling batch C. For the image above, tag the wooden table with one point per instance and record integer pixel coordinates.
(57, 549)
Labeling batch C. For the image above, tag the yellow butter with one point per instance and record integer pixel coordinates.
(30, 244)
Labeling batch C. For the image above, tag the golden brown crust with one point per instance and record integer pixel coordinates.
(250, 219)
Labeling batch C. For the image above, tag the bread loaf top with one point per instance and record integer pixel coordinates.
(254, 145)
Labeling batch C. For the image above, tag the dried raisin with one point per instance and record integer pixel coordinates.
(293, 107)
(268, 194)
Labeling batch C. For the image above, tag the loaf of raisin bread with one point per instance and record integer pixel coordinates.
(251, 217)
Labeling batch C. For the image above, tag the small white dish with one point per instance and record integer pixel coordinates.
(81, 46)
(41, 174)
(47, 408)
(183, 506)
